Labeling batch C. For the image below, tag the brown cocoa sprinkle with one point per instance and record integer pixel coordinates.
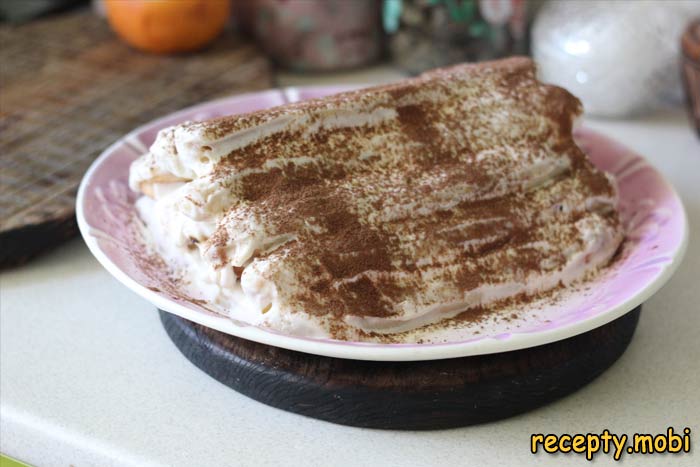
(373, 219)
(416, 123)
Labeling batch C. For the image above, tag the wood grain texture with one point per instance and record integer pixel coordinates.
(70, 88)
(404, 395)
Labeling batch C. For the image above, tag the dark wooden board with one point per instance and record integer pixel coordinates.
(404, 395)
(68, 89)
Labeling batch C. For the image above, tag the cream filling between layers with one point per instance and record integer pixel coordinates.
(186, 153)
(255, 299)
(246, 300)
(601, 242)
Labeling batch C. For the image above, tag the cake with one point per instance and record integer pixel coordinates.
(382, 210)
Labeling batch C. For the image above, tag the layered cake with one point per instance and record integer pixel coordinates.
(383, 210)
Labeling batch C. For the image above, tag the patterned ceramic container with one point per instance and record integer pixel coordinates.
(317, 34)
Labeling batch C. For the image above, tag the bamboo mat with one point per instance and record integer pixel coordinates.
(68, 89)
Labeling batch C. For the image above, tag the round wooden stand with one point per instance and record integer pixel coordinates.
(404, 395)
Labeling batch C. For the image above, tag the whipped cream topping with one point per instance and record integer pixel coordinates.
(379, 211)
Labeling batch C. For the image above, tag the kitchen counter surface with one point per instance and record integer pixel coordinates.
(89, 377)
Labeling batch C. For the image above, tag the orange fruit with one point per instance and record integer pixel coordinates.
(168, 26)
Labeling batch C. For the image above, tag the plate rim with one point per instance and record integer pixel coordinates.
(362, 350)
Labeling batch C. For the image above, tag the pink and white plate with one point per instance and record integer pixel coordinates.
(651, 210)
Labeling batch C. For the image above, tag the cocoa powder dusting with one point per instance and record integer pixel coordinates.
(372, 216)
